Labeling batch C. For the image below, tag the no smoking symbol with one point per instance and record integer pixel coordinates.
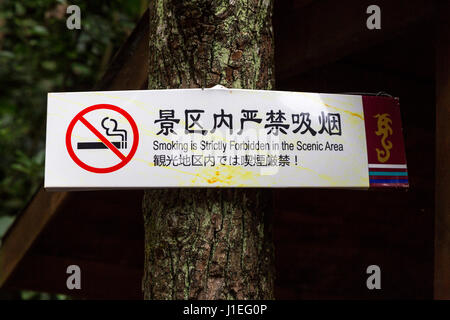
(105, 143)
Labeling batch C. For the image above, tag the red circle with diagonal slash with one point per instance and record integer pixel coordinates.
(80, 117)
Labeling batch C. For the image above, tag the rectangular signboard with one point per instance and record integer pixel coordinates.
(221, 137)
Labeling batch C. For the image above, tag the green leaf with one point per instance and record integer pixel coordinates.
(5, 223)
(49, 65)
(40, 30)
(80, 69)
(6, 54)
(20, 9)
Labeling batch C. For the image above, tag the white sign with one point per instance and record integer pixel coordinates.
(214, 137)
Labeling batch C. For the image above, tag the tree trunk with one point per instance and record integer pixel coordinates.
(209, 243)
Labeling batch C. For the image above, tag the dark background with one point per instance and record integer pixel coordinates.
(325, 239)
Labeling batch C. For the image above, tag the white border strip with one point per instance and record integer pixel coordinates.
(389, 166)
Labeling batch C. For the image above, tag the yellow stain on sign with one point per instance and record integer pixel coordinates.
(320, 175)
(354, 114)
(319, 99)
(219, 175)
(226, 175)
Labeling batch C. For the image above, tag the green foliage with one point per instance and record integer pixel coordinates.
(38, 54)
(33, 295)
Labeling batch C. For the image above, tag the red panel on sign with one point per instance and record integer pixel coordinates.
(385, 147)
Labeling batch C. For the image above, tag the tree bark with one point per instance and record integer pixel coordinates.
(209, 243)
(442, 211)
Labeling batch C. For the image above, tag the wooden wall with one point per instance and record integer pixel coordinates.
(325, 239)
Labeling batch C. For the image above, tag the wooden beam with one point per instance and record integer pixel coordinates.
(129, 67)
(26, 229)
(325, 31)
(442, 220)
(299, 4)
(99, 280)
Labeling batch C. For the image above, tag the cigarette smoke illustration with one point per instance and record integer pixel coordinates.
(111, 130)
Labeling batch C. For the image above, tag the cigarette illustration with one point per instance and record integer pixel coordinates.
(110, 126)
